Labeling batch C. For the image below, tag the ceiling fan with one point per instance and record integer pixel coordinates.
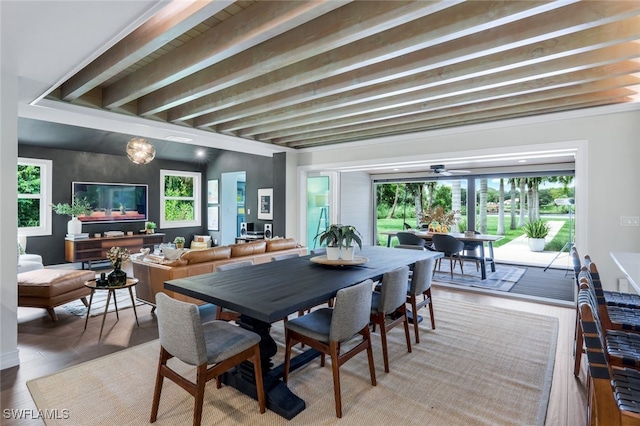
(440, 169)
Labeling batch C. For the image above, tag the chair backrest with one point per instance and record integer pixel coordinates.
(575, 258)
(410, 247)
(393, 291)
(407, 238)
(180, 330)
(234, 265)
(592, 281)
(284, 257)
(447, 244)
(351, 312)
(422, 276)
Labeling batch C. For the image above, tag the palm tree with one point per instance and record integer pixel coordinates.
(522, 182)
(512, 181)
(431, 189)
(500, 230)
(395, 202)
(483, 206)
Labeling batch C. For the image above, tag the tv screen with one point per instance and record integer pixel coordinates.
(113, 202)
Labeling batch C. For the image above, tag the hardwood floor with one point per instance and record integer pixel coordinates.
(47, 347)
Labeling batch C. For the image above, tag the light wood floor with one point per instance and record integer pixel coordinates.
(47, 347)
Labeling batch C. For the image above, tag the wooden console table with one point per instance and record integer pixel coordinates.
(95, 249)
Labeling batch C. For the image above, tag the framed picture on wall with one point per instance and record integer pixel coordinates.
(212, 192)
(265, 204)
(212, 218)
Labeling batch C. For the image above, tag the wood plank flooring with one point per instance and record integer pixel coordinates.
(47, 347)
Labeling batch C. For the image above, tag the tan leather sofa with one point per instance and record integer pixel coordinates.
(152, 276)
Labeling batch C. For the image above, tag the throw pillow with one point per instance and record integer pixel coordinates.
(171, 254)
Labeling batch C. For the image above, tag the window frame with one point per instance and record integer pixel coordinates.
(46, 187)
(197, 206)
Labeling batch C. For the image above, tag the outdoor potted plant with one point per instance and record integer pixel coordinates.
(339, 239)
(78, 207)
(179, 242)
(150, 227)
(536, 231)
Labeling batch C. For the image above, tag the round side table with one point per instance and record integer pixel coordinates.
(91, 284)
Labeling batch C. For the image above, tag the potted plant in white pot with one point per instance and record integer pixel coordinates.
(339, 239)
(179, 242)
(78, 207)
(536, 231)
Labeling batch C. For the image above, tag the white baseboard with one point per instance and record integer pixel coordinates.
(9, 359)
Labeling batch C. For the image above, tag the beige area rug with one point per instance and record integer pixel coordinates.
(481, 366)
(123, 300)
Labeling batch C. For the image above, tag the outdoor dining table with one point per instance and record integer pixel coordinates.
(484, 258)
(629, 264)
(268, 292)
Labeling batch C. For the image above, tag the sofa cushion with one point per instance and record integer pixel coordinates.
(248, 249)
(281, 244)
(208, 255)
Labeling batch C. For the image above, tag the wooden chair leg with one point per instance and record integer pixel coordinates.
(383, 338)
(162, 361)
(414, 309)
(433, 319)
(372, 371)
(578, 351)
(257, 371)
(403, 309)
(287, 356)
(335, 367)
(201, 381)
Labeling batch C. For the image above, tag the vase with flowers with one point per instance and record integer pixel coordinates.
(116, 256)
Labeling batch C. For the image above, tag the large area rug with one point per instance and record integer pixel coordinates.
(503, 279)
(481, 366)
(123, 299)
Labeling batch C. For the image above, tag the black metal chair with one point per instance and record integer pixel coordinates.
(451, 248)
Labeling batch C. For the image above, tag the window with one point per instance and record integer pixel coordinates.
(34, 196)
(180, 199)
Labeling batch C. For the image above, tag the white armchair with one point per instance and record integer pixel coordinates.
(27, 262)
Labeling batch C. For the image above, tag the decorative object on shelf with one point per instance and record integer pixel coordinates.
(340, 239)
(150, 227)
(116, 256)
(536, 231)
(78, 207)
(179, 242)
(437, 220)
(265, 204)
(140, 151)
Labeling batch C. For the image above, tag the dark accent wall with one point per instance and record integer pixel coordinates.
(69, 166)
(261, 172)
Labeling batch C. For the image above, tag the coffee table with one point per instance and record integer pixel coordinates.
(91, 284)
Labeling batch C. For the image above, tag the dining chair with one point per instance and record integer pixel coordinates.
(612, 396)
(389, 309)
(224, 313)
(613, 298)
(471, 250)
(217, 343)
(284, 257)
(408, 238)
(326, 329)
(420, 284)
(451, 248)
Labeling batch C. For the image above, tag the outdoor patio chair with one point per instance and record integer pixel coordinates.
(420, 284)
(389, 309)
(326, 329)
(182, 335)
(451, 248)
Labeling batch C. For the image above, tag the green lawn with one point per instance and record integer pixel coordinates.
(492, 226)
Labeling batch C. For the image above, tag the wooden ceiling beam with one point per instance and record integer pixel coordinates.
(535, 108)
(587, 92)
(456, 22)
(544, 31)
(252, 26)
(173, 20)
(420, 87)
(334, 29)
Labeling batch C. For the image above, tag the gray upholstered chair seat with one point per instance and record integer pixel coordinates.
(316, 325)
(224, 340)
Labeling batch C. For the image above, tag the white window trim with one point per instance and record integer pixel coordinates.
(46, 186)
(197, 178)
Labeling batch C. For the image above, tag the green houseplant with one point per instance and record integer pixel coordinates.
(536, 231)
(150, 227)
(340, 239)
(179, 242)
(78, 207)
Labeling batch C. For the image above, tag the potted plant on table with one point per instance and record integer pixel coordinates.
(78, 207)
(179, 242)
(536, 231)
(340, 239)
(116, 256)
(150, 227)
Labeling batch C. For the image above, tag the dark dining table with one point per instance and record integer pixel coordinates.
(268, 292)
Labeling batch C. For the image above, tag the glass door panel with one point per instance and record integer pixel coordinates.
(317, 207)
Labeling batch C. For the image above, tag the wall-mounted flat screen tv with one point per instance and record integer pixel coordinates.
(113, 202)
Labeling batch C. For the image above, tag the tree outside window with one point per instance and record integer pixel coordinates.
(34, 196)
(180, 201)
